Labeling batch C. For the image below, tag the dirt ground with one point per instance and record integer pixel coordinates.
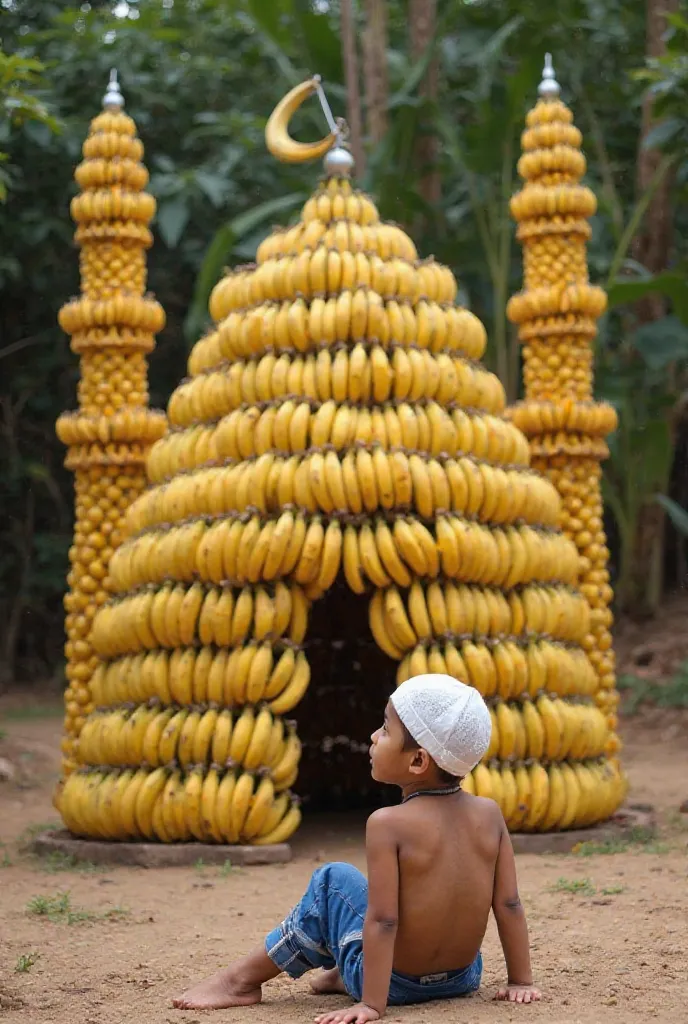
(609, 930)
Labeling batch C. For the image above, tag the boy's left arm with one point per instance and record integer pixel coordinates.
(511, 924)
(380, 925)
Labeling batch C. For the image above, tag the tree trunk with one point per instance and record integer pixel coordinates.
(422, 27)
(648, 562)
(652, 245)
(353, 91)
(652, 248)
(375, 69)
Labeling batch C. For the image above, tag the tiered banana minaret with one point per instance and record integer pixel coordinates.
(556, 314)
(335, 420)
(112, 327)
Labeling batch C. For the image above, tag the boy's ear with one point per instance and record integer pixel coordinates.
(420, 763)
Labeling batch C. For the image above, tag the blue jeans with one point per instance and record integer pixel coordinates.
(325, 929)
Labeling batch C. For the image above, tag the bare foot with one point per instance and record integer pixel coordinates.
(224, 989)
(328, 983)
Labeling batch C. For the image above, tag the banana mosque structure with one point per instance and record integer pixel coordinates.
(336, 428)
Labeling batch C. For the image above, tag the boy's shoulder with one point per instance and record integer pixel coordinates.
(479, 808)
(384, 817)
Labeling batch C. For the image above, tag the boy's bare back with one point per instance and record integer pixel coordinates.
(448, 850)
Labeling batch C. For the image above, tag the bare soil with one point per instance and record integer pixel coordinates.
(609, 930)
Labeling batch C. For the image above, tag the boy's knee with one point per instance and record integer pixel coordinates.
(338, 875)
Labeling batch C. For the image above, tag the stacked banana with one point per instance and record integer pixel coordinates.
(556, 314)
(112, 327)
(335, 422)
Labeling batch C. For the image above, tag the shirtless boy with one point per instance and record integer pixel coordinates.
(437, 863)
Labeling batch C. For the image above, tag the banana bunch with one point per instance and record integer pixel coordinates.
(101, 173)
(546, 729)
(113, 328)
(369, 372)
(331, 267)
(458, 549)
(502, 667)
(550, 445)
(321, 481)
(592, 419)
(443, 609)
(205, 355)
(277, 673)
(559, 299)
(538, 200)
(193, 735)
(239, 550)
(176, 615)
(98, 344)
(166, 804)
(112, 203)
(556, 314)
(295, 427)
(134, 311)
(360, 315)
(535, 798)
(131, 424)
(366, 478)
(292, 427)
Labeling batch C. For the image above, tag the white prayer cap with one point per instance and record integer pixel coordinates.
(447, 718)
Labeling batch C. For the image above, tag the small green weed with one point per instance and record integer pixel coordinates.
(59, 910)
(55, 862)
(25, 962)
(671, 693)
(613, 890)
(5, 859)
(31, 831)
(637, 840)
(223, 870)
(575, 886)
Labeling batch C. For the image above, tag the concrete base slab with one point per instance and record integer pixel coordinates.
(156, 855)
(629, 820)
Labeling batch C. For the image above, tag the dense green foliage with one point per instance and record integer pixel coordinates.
(200, 77)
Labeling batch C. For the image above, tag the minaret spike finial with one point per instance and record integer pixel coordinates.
(548, 88)
(338, 161)
(113, 99)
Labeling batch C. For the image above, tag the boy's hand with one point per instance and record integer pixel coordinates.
(358, 1014)
(519, 994)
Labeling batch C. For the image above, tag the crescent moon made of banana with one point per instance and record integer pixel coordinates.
(277, 137)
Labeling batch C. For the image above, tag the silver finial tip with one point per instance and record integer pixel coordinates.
(548, 88)
(113, 99)
(338, 161)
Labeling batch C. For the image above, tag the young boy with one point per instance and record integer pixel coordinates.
(437, 863)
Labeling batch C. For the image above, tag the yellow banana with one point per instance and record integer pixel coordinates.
(295, 689)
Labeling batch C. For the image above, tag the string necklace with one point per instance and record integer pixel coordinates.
(444, 791)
